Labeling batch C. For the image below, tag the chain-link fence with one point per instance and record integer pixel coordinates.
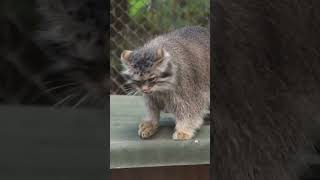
(133, 22)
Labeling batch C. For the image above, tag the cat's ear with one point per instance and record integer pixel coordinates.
(125, 57)
(161, 55)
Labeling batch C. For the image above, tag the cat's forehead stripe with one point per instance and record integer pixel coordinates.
(143, 60)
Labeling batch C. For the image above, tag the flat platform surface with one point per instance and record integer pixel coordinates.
(127, 150)
(44, 143)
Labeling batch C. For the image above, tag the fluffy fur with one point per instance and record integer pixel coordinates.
(73, 35)
(61, 61)
(172, 71)
(266, 88)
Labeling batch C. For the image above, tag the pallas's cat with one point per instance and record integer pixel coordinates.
(172, 71)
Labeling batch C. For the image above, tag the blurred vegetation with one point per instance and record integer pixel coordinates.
(164, 15)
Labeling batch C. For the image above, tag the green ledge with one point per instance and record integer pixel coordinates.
(127, 150)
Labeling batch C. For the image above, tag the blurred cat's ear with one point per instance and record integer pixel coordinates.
(125, 56)
(161, 55)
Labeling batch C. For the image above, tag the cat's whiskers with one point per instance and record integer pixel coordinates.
(83, 99)
(57, 81)
(132, 92)
(73, 93)
(50, 90)
(63, 100)
(61, 86)
(136, 93)
(127, 89)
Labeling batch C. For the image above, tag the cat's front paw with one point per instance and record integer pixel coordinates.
(147, 129)
(182, 135)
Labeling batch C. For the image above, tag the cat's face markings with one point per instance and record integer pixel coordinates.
(147, 70)
(142, 82)
(143, 60)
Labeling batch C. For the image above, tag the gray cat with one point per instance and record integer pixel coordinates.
(173, 73)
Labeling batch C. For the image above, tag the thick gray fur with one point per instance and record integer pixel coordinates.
(185, 90)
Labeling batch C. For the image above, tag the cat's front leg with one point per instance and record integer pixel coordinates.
(150, 124)
(186, 125)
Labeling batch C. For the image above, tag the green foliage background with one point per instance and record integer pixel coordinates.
(167, 15)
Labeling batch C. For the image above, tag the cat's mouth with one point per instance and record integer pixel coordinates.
(147, 91)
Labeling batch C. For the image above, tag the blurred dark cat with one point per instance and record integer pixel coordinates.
(63, 62)
(266, 89)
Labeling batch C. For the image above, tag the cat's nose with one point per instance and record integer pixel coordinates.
(145, 89)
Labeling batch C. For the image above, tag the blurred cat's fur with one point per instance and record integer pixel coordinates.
(61, 61)
(266, 89)
(173, 72)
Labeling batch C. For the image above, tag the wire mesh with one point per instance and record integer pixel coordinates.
(133, 22)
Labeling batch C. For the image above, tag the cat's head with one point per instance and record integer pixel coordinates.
(149, 70)
(73, 35)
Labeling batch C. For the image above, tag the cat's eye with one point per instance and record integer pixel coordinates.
(165, 74)
(153, 79)
(126, 76)
(138, 82)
